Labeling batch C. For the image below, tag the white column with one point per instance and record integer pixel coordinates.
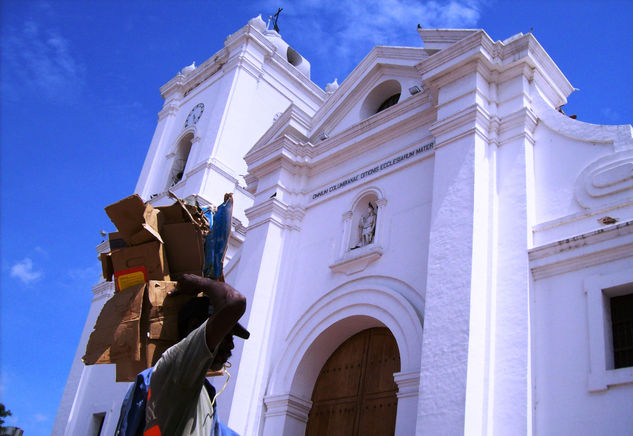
(259, 267)
(510, 408)
(453, 365)
(347, 229)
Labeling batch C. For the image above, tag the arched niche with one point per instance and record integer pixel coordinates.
(179, 158)
(361, 245)
(356, 306)
(364, 220)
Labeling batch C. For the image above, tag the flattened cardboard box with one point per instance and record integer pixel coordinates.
(180, 212)
(136, 221)
(135, 327)
(116, 334)
(184, 248)
(116, 241)
(106, 266)
(151, 256)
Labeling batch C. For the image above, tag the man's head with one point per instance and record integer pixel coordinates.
(193, 314)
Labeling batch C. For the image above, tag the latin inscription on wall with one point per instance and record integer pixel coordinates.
(374, 170)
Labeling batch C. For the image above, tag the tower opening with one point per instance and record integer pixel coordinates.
(180, 160)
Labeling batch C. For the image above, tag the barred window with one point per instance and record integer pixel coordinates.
(622, 330)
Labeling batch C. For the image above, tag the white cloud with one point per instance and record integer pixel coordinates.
(89, 275)
(342, 32)
(40, 417)
(23, 270)
(40, 58)
(42, 252)
(610, 114)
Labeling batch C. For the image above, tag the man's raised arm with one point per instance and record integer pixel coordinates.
(228, 305)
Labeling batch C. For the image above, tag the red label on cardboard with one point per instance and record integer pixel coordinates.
(130, 277)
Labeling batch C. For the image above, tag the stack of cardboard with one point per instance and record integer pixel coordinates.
(152, 247)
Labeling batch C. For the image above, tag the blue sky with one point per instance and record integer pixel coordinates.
(79, 95)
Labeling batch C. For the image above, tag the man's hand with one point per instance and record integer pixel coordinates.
(190, 284)
(228, 304)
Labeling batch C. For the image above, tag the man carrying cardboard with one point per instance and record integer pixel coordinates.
(177, 403)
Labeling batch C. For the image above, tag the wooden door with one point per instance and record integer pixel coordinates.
(355, 393)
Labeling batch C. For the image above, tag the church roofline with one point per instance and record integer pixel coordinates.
(378, 56)
(227, 57)
(500, 56)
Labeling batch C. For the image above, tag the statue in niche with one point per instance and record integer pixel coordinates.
(367, 227)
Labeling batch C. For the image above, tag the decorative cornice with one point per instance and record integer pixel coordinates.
(184, 84)
(600, 246)
(169, 109)
(282, 153)
(287, 405)
(620, 136)
(357, 260)
(444, 59)
(518, 125)
(252, 66)
(103, 247)
(207, 69)
(102, 289)
(469, 120)
(453, 62)
(212, 164)
(274, 212)
(408, 384)
(376, 129)
(238, 228)
(583, 240)
(293, 123)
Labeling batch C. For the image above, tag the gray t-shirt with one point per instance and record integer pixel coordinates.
(177, 402)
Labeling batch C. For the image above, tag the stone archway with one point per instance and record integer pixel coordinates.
(351, 308)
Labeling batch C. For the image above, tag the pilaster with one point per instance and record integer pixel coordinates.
(408, 384)
(286, 414)
(457, 283)
(262, 256)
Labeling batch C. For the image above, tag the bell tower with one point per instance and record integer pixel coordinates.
(215, 112)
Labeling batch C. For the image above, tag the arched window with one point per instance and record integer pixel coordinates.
(384, 95)
(180, 158)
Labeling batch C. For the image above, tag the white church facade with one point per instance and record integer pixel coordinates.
(431, 247)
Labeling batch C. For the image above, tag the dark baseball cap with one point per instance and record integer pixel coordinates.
(201, 308)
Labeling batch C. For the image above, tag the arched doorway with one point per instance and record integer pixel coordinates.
(355, 392)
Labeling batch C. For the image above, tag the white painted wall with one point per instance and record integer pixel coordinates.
(562, 358)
